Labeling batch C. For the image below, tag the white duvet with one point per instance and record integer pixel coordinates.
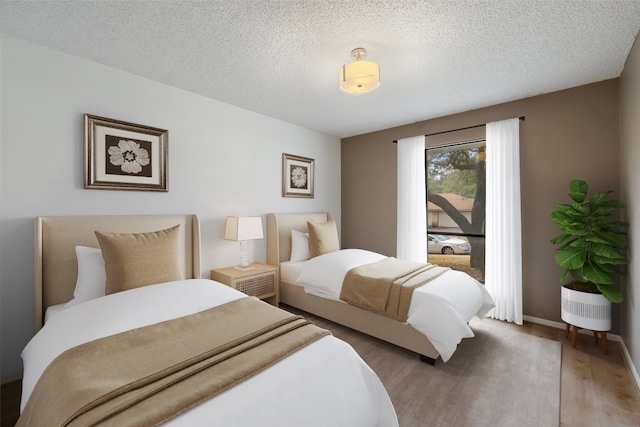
(323, 384)
(440, 310)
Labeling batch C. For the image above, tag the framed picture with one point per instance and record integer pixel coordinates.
(297, 176)
(124, 156)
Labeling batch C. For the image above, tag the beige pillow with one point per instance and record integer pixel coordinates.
(323, 237)
(135, 260)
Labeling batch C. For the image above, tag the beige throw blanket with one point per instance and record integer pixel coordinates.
(146, 376)
(386, 286)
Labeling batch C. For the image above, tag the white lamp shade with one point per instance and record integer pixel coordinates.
(243, 228)
(359, 77)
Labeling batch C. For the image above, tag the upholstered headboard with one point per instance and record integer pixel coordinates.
(56, 237)
(279, 226)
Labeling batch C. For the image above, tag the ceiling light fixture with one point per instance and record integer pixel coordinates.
(360, 76)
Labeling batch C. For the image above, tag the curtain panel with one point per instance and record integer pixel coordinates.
(411, 242)
(503, 274)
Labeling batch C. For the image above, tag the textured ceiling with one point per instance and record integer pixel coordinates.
(282, 58)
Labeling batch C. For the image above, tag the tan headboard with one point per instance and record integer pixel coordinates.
(279, 226)
(56, 237)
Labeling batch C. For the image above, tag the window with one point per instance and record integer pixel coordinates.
(456, 200)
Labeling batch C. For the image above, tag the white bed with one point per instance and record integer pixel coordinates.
(324, 383)
(438, 316)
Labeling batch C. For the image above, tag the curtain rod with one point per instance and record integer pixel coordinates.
(395, 141)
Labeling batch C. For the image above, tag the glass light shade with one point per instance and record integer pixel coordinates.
(359, 77)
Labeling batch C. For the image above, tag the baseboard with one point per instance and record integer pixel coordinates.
(612, 337)
(562, 325)
(627, 356)
(545, 322)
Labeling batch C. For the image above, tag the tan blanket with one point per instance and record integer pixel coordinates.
(148, 375)
(386, 286)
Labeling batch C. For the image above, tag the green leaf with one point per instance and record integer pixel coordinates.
(605, 250)
(578, 190)
(578, 209)
(576, 229)
(617, 224)
(577, 274)
(596, 200)
(571, 258)
(561, 238)
(580, 243)
(563, 275)
(612, 204)
(594, 273)
(613, 238)
(611, 293)
(599, 238)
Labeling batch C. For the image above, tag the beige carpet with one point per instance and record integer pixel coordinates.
(499, 378)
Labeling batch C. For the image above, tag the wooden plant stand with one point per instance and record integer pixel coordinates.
(574, 335)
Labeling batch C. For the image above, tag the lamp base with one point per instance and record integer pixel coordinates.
(244, 257)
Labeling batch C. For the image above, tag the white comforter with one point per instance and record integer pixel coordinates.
(440, 310)
(323, 384)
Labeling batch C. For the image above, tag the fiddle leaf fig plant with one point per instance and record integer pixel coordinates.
(592, 244)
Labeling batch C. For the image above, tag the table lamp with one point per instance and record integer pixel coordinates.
(242, 229)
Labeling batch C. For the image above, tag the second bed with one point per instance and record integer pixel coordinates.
(438, 315)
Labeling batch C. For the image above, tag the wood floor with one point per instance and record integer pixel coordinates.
(597, 390)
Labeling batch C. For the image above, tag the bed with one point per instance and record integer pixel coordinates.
(324, 382)
(431, 333)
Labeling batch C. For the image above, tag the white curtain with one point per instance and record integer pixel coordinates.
(412, 200)
(503, 275)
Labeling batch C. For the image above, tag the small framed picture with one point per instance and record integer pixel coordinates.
(124, 156)
(297, 176)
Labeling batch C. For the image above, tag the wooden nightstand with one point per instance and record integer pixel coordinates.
(262, 281)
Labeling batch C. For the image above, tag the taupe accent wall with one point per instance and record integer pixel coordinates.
(570, 134)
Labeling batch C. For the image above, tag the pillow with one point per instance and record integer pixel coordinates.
(91, 275)
(323, 275)
(323, 237)
(135, 260)
(299, 246)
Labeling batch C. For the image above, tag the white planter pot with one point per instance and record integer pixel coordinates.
(585, 310)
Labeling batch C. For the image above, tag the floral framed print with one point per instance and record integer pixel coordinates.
(297, 176)
(124, 156)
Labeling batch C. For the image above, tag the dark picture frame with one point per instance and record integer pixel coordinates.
(297, 176)
(124, 156)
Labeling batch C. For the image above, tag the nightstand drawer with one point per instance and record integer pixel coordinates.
(261, 281)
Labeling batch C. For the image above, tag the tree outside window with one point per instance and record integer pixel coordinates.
(456, 202)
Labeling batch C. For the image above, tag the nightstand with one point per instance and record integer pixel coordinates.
(261, 281)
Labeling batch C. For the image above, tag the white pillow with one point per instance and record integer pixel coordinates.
(324, 274)
(92, 277)
(299, 246)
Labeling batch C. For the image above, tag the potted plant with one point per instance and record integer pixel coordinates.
(592, 248)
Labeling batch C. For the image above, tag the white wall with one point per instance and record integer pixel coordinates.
(630, 159)
(223, 161)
